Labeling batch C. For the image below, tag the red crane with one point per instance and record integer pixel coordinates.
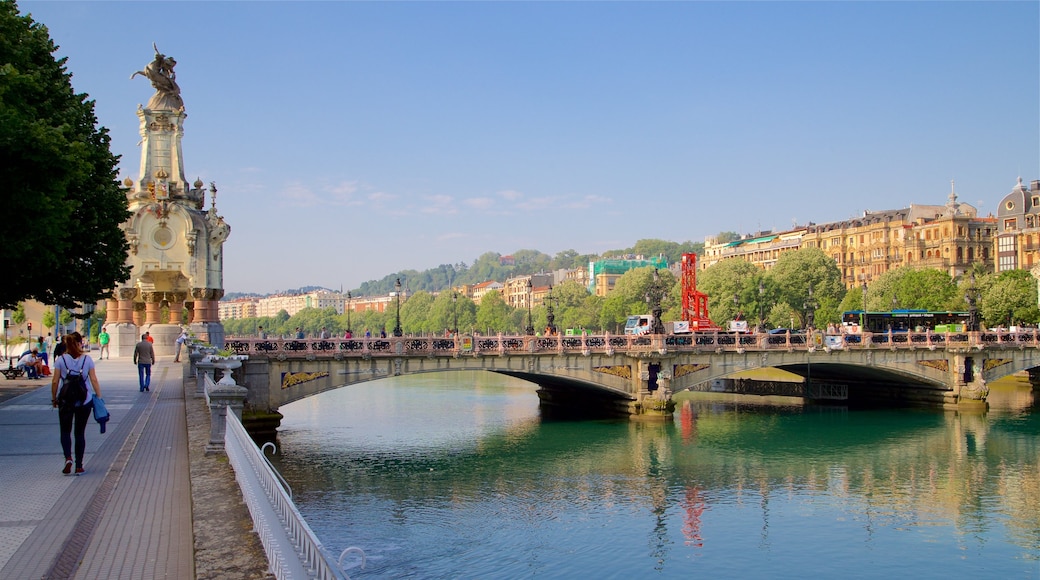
(694, 303)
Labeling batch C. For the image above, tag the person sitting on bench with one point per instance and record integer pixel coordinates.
(30, 364)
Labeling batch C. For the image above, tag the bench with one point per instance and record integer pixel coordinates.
(12, 372)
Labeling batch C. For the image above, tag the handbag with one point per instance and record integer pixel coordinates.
(101, 412)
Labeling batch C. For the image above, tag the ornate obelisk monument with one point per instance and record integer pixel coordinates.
(176, 246)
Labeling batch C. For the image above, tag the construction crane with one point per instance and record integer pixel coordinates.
(694, 303)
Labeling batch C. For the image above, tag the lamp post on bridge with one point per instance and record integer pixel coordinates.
(654, 294)
(397, 324)
(972, 297)
(455, 312)
(761, 306)
(863, 309)
(810, 309)
(349, 305)
(530, 320)
(549, 316)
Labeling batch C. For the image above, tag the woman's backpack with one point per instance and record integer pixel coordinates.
(73, 391)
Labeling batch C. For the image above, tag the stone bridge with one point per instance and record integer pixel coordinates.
(637, 375)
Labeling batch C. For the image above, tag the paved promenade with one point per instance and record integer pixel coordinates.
(131, 514)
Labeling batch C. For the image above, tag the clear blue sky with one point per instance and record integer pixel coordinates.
(353, 140)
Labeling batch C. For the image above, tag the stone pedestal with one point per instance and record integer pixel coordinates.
(223, 395)
(123, 337)
(165, 337)
(208, 332)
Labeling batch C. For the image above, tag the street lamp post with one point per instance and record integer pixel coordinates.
(550, 318)
(455, 312)
(530, 319)
(972, 297)
(863, 310)
(810, 309)
(349, 305)
(397, 324)
(654, 294)
(761, 306)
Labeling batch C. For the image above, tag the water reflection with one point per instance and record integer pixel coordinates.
(456, 474)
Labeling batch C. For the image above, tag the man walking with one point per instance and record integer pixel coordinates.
(144, 356)
(103, 340)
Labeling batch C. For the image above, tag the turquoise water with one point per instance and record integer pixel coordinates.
(454, 475)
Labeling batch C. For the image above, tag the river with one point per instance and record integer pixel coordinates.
(455, 475)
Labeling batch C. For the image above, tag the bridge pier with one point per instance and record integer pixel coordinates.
(1034, 378)
(653, 392)
(969, 388)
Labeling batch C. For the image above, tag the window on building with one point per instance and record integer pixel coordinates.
(971, 254)
(960, 254)
(1009, 224)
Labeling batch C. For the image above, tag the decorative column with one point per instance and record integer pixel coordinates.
(176, 300)
(126, 305)
(151, 306)
(112, 310)
(138, 317)
(199, 305)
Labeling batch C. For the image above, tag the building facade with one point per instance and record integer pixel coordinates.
(1018, 222)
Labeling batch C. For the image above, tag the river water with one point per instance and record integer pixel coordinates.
(454, 475)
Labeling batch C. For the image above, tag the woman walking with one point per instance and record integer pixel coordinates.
(68, 416)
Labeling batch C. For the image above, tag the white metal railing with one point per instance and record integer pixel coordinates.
(293, 551)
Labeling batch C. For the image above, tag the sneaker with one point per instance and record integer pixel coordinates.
(79, 471)
(68, 467)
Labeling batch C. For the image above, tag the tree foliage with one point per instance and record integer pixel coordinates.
(1008, 298)
(59, 177)
(494, 315)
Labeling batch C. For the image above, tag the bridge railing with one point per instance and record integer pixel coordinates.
(504, 345)
(293, 551)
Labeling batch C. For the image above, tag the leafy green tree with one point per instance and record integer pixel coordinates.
(1009, 298)
(48, 318)
(415, 313)
(65, 318)
(798, 271)
(18, 316)
(494, 315)
(726, 279)
(629, 296)
(910, 288)
(55, 166)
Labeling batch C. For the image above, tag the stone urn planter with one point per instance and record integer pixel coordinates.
(226, 363)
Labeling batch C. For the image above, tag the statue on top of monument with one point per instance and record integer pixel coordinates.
(160, 72)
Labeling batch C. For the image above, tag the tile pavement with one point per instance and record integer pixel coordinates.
(130, 515)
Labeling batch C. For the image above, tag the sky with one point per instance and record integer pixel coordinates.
(353, 140)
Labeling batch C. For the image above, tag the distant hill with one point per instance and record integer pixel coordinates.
(492, 266)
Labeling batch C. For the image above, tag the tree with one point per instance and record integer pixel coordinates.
(629, 296)
(494, 315)
(726, 279)
(796, 272)
(18, 316)
(56, 167)
(415, 313)
(1009, 298)
(48, 319)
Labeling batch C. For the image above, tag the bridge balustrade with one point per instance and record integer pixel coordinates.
(609, 343)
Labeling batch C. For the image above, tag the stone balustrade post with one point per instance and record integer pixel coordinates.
(203, 369)
(221, 398)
